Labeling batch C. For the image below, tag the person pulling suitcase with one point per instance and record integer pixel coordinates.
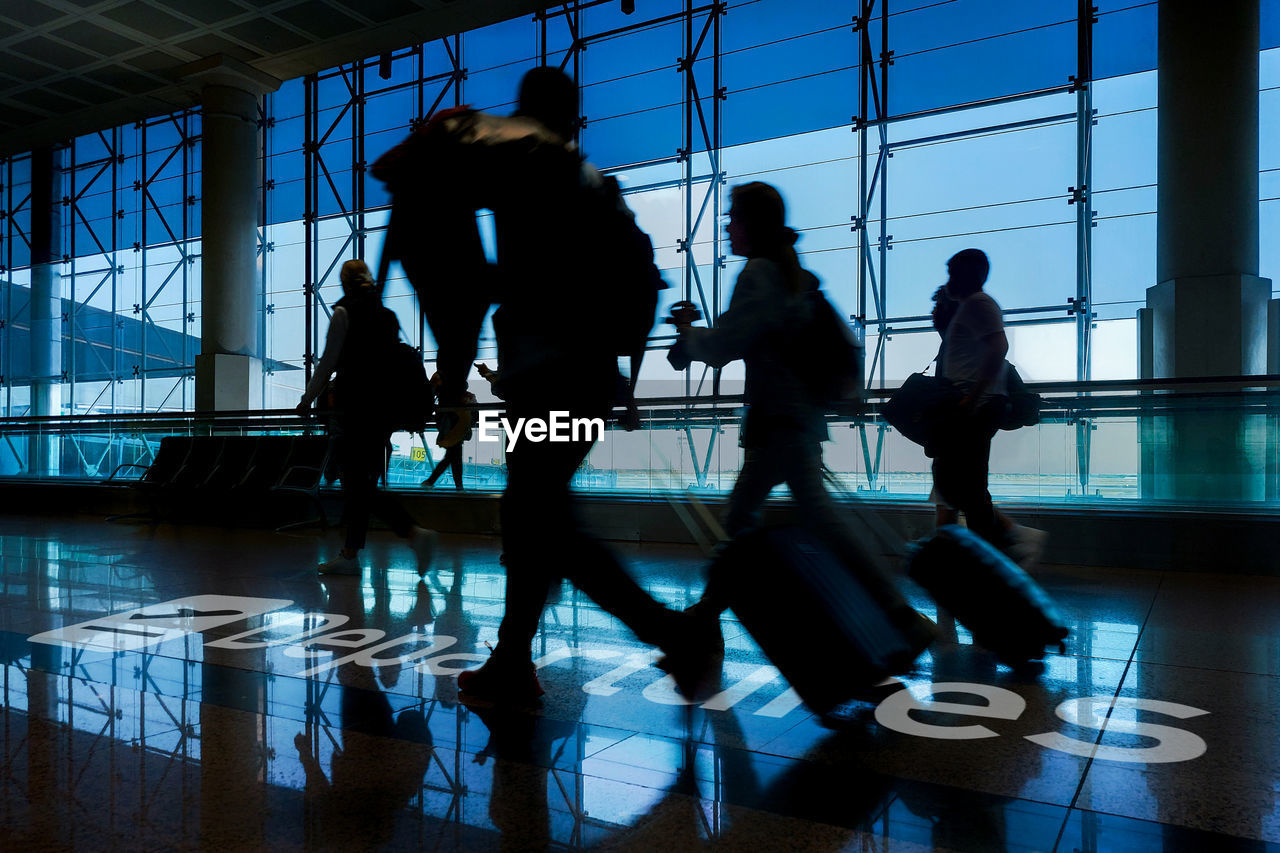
(768, 325)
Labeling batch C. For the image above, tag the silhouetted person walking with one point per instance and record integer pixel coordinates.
(549, 270)
(362, 335)
(785, 423)
(973, 353)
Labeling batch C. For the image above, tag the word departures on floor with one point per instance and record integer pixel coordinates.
(189, 688)
(323, 635)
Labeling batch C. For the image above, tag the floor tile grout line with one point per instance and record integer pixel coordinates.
(1084, 775)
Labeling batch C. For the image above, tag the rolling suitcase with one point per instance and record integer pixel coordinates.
(811, 616)
(1004, 609)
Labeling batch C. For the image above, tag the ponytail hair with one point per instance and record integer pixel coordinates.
(763, 214)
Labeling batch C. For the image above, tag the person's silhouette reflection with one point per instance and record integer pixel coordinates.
(524, 749)
(379, 763)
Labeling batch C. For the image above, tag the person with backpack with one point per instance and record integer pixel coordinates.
(566, 258)
(363, 346)
(777, 327)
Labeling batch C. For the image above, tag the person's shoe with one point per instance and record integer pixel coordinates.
(339, 565)
(501, 680)
(428, 484)
(423, 542)
(694, 654)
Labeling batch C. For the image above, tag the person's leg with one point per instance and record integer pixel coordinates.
(361, 452)
(818, 512)
(960, 472)
(359, 449)
(438, 471)
(454, 455)
(537, 509)
(760, 473)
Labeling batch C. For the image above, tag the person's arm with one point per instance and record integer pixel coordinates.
(328, 362)
(751, 310)
(995, 347)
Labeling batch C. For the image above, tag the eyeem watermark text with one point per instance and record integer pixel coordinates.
(560, 427)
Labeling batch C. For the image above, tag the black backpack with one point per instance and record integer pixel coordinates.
(1022, 405)
(834, 360)
(620, 256)
(409, 395)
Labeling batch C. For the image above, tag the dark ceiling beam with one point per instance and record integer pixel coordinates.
(64, 122)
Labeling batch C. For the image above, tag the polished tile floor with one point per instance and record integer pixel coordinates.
(171, 688)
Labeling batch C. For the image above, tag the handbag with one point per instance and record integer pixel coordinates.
(1022, 407)
(923, 408)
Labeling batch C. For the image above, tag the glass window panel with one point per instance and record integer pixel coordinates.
(495, 90)
(91, 147)
(390, 111)
(403, 71)
(658, 47)
(286, 135)
(998, 66)
(782, 109)
(333, 194)
(661, 88)
(1269, 158)
(1114, 350)
(290, 166)
(1124, 39)
(162, 135)
(96, 205)
(375, 145)
(498, 44)
(285, 203)
(803, 57)
(289, 101)
(931, 26)
(608, 16)
(643, 136)
(334, 90)
(749, 24)
(1124, 177)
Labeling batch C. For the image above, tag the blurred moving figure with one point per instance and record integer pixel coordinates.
(973, 352)
(769, 324)
(359, 346)
(378, 765)
(563, 243)
(455, 428)
(1024, 544)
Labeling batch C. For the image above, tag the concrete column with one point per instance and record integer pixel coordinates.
(229, 366)
(1208, 311)
(46, 303)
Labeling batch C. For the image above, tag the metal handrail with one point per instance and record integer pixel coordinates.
(1131, 396)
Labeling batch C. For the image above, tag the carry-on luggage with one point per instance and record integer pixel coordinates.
(923, 409)
(1004, 609)
(811, 616)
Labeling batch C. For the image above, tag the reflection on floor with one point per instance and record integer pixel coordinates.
(174, 688)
